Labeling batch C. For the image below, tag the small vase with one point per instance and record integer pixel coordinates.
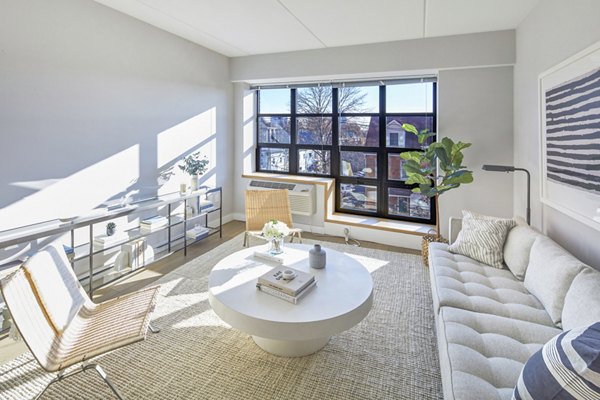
(317, 257)
(194, 182)
(110, 231)
(275, 246)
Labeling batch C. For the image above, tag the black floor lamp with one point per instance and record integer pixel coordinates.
(507, 168)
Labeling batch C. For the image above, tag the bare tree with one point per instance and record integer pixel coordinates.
(318, 100)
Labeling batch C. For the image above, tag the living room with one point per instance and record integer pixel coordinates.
(103, 99)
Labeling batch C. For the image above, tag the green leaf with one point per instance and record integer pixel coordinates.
(410, 128)
(458, 177)
(412, 155)
(417, 178)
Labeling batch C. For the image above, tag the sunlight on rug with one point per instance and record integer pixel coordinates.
(391, 354)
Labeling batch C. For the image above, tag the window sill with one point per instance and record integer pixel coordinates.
(389, 225)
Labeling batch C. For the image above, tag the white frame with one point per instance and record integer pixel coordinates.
(558, 196)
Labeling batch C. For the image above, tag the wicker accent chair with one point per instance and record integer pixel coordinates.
(265, 205)
(59, 322)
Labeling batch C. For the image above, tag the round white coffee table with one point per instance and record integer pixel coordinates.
(342, 298)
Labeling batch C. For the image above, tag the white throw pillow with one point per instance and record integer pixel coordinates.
(482, 238)
(549, 275)
(582, 302)
(517, 249)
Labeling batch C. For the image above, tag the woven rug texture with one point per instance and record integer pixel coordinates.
(391, 354)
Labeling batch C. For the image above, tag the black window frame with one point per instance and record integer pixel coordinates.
(381, 181)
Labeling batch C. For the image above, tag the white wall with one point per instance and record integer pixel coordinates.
(475, 102)
(552, 32)
(96, 105)
(475, 106)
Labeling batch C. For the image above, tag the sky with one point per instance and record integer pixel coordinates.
(412, 97)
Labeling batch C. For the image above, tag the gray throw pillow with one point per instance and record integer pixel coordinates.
(549, 275)
(517, 248)
(482, 238)
(582, 302)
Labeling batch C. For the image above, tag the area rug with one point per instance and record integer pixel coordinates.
(391, 354)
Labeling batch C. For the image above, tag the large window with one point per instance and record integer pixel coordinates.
(352, 132)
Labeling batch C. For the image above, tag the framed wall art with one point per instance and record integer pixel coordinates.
(570, 136)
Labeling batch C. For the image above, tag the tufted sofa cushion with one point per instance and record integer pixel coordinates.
(481, 355)
(461, 282)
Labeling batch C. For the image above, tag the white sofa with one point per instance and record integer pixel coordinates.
(489, 323)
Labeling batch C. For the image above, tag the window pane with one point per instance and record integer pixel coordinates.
(274, 101)
(313, 130)
(395, 170)
(363, 99)
(359, 131)
(396, 137)
(272, 159)
(313, 100)
(404, 202)
(274, 130)
(358, 197)
(314, 161)
(355, 163)
(409, 97)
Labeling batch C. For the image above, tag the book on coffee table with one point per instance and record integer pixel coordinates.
(292, 287)
(279, 294)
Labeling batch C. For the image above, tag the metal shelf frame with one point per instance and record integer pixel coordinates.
(46, 229)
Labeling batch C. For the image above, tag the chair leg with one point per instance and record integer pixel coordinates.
(54, 380)
(300, 237)
(245, 239)
(84, 367)
(153, 329)
(103, 375)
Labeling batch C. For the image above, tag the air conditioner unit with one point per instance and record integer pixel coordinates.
(302, 197)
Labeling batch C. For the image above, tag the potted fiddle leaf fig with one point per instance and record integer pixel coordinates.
(195, 166)
(437, 168)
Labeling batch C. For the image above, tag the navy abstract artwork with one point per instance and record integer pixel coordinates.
(570, 136)
(573, 132)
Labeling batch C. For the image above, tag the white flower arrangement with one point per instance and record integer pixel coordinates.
(275, 229)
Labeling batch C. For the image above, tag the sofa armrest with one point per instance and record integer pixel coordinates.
(454, 226)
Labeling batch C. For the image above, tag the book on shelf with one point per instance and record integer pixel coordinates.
(284, 296)
(292, 287)
(103, 241)
(138, 253)
(198, 232)
(144, 229)
(156, 221)
(205, 204)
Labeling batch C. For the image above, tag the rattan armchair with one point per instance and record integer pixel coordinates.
(265, 205)
(59, 322)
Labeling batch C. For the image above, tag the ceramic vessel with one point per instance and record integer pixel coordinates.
(317, 257)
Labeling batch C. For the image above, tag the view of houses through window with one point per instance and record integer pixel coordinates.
(352, 132)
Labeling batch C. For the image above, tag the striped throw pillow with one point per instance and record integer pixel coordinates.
(482, 238)
(567, 367)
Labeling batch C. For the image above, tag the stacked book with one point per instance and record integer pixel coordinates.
(153, 224)
(104, 241)
(197, 233)
(291, 290)
(205, 205)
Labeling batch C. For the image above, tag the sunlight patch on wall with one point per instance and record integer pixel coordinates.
(249, 135)
(76, 194)
(184, 138)
(195, 134)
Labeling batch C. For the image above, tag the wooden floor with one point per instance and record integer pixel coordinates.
(10, 349)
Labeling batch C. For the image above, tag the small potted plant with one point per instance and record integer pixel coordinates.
(195, 166)
(110, 228)
(274, 231)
